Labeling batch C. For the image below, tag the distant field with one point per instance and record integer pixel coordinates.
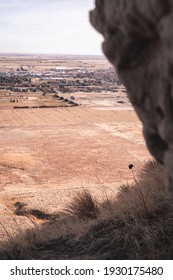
(72, 147)
(63, 116)
(40, 63)
(9, 100)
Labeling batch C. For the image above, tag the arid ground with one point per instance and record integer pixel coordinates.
(48, 154)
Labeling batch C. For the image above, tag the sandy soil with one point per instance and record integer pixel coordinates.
(49, 154)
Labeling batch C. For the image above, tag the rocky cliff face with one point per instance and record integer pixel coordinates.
(138, 41)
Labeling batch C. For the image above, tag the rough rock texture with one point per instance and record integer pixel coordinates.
(139, 43)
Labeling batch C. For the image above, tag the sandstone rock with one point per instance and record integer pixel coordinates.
(138, 41)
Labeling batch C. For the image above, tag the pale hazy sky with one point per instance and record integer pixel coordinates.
(48, 26)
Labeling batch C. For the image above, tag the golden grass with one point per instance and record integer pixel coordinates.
(135, 224)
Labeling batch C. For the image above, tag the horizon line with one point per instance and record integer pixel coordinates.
(48, 54)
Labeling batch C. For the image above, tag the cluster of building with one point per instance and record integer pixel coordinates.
(59, 80)
(56, 82)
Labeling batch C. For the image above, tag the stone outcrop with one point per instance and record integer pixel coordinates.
(138, 41)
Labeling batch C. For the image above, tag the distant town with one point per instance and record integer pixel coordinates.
(26, 83)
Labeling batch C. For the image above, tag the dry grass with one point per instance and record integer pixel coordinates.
(135, 224)
(83, 206)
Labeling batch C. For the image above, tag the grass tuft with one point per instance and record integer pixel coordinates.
(83, 206)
